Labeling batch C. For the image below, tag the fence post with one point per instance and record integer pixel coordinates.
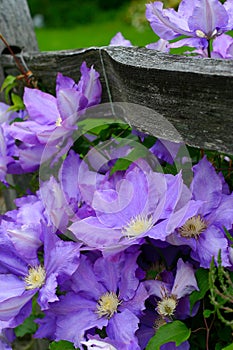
(17, 25)
(17, 29)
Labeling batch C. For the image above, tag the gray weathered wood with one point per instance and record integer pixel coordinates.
(16, 25)
(195, 95)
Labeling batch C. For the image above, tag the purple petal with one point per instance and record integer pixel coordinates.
(198, 43)
(206, 185)
(185, 281)
(156, 287)
(10, 261)
(47, 326)
(94, 234)
(77, 308)
(68, 102)
(165, 150)
(137, 304)
(11, 307)
(123, 327)
(85, 280)
(60, 257)
(160, 45)
(228, 4)
(223, 215)
(69, 176)
(11, 286)
(47, 293)
(221, 47)
(208, 246)
(208, 16)
(89, 85)
(64, 82)
(167, 24)
(119, 40)
(186, 8)
(57, 209)
(108, 273)
(128, 282)
(41, 106)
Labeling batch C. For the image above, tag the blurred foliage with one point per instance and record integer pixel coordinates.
(60, 13)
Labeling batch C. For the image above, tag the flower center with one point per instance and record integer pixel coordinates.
(193, 227)
(167, 306)
(201, 34)
(107, 304)
(58, 121)
(35, 278)
(137, 225)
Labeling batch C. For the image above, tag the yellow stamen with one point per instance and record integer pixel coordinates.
(193, 227)
(35, 278)
(137, 225)
(167, 306)
(107, 305)
(58, 121)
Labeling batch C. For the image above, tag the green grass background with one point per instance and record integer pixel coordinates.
(98, 33)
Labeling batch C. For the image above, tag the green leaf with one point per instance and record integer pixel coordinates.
(171, 332)
(207, 313)
(202, 276)
(228, 347)
(27, 327)
(17, 103)
(61, 345)
(9, 81)
(121, 164)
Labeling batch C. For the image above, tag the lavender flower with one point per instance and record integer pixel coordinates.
(24, 227)
(21, 280)
(130, 211)
(105, 293)
(119, 40)
(199, 19)
(51, 120)
(172, 291)
(203, 231)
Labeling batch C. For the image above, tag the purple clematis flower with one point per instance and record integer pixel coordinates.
(105, 293)
(51, 120)
(169, 299)
(171, 292)
(24, 227)
(203, 231)
(119, 40)
(129, 211)
(197, 19)
(20, 280)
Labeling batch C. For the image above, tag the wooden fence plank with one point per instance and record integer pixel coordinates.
(195, 95)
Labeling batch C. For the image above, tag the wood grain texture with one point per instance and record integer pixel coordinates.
(16, 25)
(194, 95)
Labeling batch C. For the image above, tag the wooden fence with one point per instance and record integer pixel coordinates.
(195, 95)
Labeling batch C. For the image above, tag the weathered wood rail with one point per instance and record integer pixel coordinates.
(195, 95)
